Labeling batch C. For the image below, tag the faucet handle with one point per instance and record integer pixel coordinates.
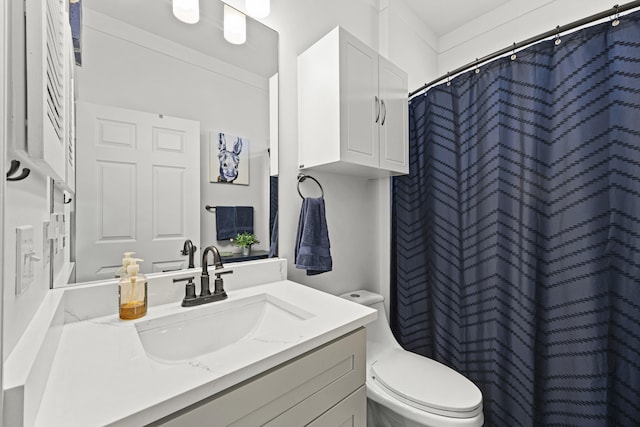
(190, 288)
(218, 285)
(185, 252)
(184, 279)
(222, 272)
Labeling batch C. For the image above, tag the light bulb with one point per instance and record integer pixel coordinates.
(258, 8)
(188, 11)
(235, 25)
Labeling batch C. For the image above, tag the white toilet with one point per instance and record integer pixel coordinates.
(408, 390)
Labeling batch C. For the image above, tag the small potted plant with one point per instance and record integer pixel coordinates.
(245, 240)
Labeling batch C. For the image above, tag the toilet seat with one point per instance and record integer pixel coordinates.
(426, 384)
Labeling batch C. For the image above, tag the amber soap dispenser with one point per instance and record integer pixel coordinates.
(133, 292)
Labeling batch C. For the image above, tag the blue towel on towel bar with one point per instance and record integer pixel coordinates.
(231, 220)
(273, 247)
(225, 222)
(244, 219)
(312, 251)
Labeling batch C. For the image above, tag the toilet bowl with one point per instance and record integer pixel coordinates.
(408, 390)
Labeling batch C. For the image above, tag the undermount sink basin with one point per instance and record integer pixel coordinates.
(190, 333)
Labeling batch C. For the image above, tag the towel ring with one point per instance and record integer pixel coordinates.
(302, 177)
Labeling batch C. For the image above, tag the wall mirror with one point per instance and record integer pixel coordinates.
(144, 69)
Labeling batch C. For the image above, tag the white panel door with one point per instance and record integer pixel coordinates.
(138, 189)
(394, 120)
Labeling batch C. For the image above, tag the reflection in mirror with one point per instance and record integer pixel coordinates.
(154, 95)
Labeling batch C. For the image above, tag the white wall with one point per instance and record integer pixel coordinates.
(128, 68)
(3, 135)
(407, 42)
(25, 202)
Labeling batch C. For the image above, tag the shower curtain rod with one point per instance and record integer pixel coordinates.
(615, 10)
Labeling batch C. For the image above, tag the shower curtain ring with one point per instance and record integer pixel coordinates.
(616, 20)
(448, 78)
(477, 66)
(558, 40)
(513, 54)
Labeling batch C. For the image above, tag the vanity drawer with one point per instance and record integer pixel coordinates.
(349, 412)
(300, 390)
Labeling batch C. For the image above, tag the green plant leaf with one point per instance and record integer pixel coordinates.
(245, 239)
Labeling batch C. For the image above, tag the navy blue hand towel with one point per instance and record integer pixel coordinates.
(226, 222)
(244, 219)
(273, 247)
(231, 220)
(312, 251)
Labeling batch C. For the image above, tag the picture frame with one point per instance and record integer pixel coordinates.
(228, 158)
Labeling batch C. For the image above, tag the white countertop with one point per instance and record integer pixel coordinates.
(101, 374)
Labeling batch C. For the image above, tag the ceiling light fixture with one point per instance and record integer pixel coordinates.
(235, 25)
(188, 11)
(258, 8)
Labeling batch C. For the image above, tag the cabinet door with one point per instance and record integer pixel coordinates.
(394, 121)
(351, 412)
(359, 102)
(70, 123)
(318, 387)
(48, 36)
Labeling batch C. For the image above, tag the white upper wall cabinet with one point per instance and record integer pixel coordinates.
(352, 109)
(49, 59)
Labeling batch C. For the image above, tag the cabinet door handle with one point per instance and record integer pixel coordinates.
(384, 111)
(377, 108)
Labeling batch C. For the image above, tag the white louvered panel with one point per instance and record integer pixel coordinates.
(71, 146)
(55, 66)
(48, 45)
(70, 117)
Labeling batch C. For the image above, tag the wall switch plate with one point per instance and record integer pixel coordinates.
(54, 230)
(46, 247)
(25, 256)
(62, 226)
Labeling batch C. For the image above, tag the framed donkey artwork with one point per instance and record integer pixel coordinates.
(228, 158)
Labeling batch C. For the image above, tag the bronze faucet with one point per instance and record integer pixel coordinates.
(189, 249)
(206, 296)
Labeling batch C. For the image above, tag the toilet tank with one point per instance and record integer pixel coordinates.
(363, 297)
(379, 335)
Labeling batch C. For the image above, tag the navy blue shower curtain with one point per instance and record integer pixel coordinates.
(516, 235)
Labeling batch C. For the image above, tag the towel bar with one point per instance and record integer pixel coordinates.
(302, 177)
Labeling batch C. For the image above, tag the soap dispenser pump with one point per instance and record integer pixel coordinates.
(133, 292)
(122, 270)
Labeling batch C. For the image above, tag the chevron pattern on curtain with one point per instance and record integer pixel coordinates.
(516, 235)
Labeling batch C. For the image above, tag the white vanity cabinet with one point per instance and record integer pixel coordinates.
(352, 109)
(322, 388)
